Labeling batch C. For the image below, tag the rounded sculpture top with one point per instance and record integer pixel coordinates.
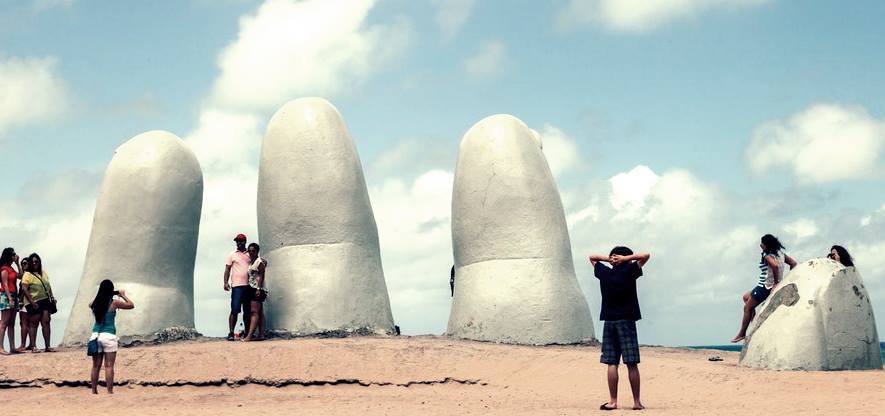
(308, 149)
(503, 179)
(156, 149)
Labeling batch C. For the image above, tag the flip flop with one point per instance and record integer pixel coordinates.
(604, 406)
(714, 358)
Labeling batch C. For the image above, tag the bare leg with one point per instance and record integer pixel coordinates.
(253, 321)
(96, 368)
(633, 375)
(7, 325)
(32, 331)
(46, 330)
(612, 386)
(749, 312)
(24, 323)
(261, 332)
(109, 359)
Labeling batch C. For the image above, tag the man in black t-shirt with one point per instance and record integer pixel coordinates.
(620, 311)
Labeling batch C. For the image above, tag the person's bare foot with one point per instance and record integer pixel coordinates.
(3, 352)
(738, 338)
(21, 349)
(638, 406)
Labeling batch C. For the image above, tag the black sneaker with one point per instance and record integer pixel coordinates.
(230, 336)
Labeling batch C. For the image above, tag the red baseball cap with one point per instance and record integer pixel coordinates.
(240, 237)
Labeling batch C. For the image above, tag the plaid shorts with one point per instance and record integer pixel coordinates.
(619, 338)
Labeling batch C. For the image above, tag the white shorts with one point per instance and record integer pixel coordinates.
(106, 342)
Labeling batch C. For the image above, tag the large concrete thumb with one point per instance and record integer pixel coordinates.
(144, 238)
(819, 318)
(315, 223)
(515, 279)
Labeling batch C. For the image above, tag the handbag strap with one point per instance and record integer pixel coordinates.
(44, 286)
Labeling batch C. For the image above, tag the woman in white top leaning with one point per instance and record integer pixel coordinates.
(259, 293)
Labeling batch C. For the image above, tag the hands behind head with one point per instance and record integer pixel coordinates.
(121, 292)
(617, 259)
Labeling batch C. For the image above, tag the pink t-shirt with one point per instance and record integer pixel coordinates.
(239, 268)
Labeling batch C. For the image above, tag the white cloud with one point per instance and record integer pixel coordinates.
(639, 15)
(825, 143)
(451, 15)
(288, 49)
(561, 151)
(31, 91)
(630, 189)
(801, 229)
(488, 61)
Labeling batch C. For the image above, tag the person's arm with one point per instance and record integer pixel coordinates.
(260, 279)
(124, 302)
(227, 277)
(789, 260)
(594, 258)
(4, 275)
(27, 289)
(641, 259)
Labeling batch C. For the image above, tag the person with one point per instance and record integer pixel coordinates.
(236, 280)
(40, 301)
(620, 311)
(23, 319)
(257, 278)
(840, 255)
(771, 270)
(104, 307)
(8, 297)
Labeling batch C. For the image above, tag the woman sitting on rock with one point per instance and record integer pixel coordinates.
(840, 255)
(771, 270)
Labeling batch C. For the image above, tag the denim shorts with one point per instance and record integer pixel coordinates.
(760, 293)
(240, 298)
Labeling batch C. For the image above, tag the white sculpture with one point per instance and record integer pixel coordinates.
(515, 279)
(316, 226)
(144, 237)
(819, 318)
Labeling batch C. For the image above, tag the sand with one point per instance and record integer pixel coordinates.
(420, 375)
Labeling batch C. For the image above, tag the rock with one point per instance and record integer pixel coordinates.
(515, 279)
(316, 227)
(144, 237)
(819, 318)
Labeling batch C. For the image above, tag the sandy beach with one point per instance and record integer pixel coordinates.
(422, 375)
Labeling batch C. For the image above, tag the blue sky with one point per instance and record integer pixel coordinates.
(683, 128)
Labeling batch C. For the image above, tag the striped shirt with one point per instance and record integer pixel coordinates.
(766, 278)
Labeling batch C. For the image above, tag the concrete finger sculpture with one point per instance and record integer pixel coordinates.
(315, 223)
(515, 278)
(819, 318)
(144, 238)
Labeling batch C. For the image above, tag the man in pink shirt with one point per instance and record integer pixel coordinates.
(236, 280)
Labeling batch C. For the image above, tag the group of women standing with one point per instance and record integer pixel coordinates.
(25, 290)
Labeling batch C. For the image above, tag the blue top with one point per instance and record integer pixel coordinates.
(109, 326)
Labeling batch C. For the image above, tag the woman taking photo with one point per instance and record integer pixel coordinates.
(104, 306)
(40, 302)
(8, 297)
(771, 270)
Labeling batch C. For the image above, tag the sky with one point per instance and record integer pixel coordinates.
(684, 128)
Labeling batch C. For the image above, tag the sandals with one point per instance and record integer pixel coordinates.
(604, 406)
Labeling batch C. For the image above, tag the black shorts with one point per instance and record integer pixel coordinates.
(760, 293)
(619, 338)
(42, 305)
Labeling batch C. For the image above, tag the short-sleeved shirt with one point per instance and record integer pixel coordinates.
(253, 272)
(35, 286)
(239, 268)
(618, 287)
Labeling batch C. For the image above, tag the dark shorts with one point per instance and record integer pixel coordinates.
(258, 295)
(42, 305)
(759, 294)
(619, 338)
(240, 298)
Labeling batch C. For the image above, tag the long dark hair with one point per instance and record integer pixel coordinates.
(844, 257)
(34, 268)
(102, 300)
(772, 244)
(6, 257)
